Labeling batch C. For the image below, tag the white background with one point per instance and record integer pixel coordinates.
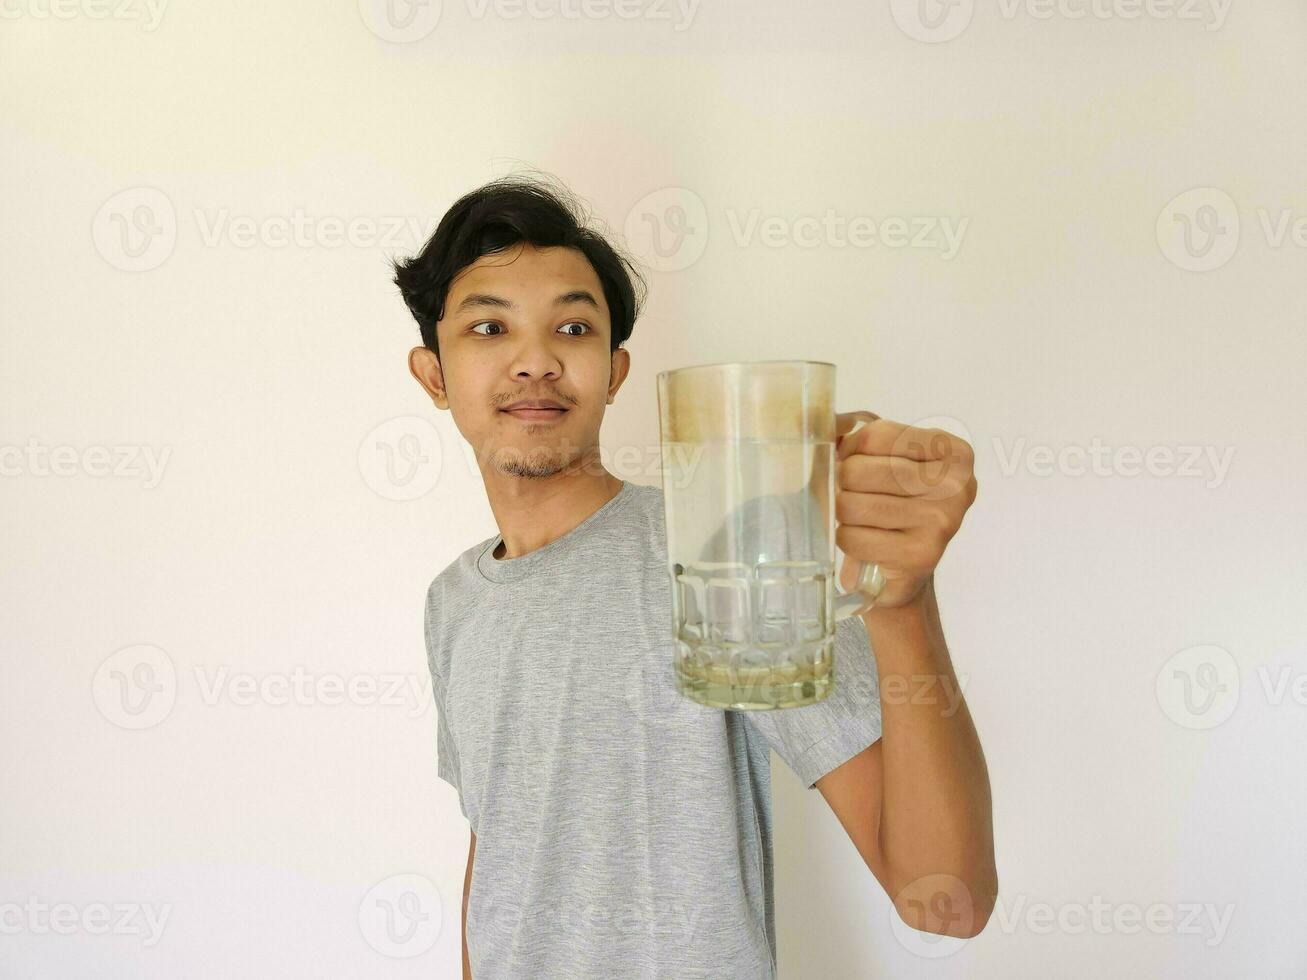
(153, 302)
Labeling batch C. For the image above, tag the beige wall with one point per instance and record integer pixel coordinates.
(161, 308)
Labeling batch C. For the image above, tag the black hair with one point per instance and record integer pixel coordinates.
(498, 216)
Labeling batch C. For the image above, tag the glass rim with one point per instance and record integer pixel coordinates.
(743, 364)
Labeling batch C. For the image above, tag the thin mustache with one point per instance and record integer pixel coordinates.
(526, 398)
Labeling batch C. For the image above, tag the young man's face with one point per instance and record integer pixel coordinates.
(525, 324)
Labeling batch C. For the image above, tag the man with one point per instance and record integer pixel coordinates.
(619, 829)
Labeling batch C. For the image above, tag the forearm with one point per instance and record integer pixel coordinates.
(936, 815)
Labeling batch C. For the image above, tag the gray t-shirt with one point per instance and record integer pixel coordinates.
(623, 830)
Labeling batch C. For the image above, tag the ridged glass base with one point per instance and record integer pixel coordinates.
(753, 688)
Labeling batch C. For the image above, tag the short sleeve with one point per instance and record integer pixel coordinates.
(817, 738)
(446, 752)
(447, 767)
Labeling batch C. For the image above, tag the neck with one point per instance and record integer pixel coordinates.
(533, 511)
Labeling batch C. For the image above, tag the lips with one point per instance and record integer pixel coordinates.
(535, 414)
(533, 403)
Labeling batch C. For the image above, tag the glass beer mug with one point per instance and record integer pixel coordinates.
(749, 481)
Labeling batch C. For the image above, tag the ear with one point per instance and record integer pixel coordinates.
(620, 368)
(425, 367)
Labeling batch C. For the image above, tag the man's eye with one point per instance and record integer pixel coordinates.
(491, 323)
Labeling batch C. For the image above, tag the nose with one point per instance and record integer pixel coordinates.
(536, 358)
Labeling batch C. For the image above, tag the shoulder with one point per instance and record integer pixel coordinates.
(454, 581)
(450, 600)
(645, 503)
(646, 515)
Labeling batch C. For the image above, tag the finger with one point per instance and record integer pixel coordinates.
(888, 438)
(883, 547)
(885, 474)
(882, 510)
(846, 421)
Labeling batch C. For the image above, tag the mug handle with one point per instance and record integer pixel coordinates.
(870, 579)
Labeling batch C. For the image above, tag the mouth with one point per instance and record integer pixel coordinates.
(536, 414)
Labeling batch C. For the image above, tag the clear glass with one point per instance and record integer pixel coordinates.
(749, 481)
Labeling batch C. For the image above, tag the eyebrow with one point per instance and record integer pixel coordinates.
(485, 299)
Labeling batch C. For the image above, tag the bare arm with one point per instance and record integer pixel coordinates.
(916, 803)
(467, 884)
